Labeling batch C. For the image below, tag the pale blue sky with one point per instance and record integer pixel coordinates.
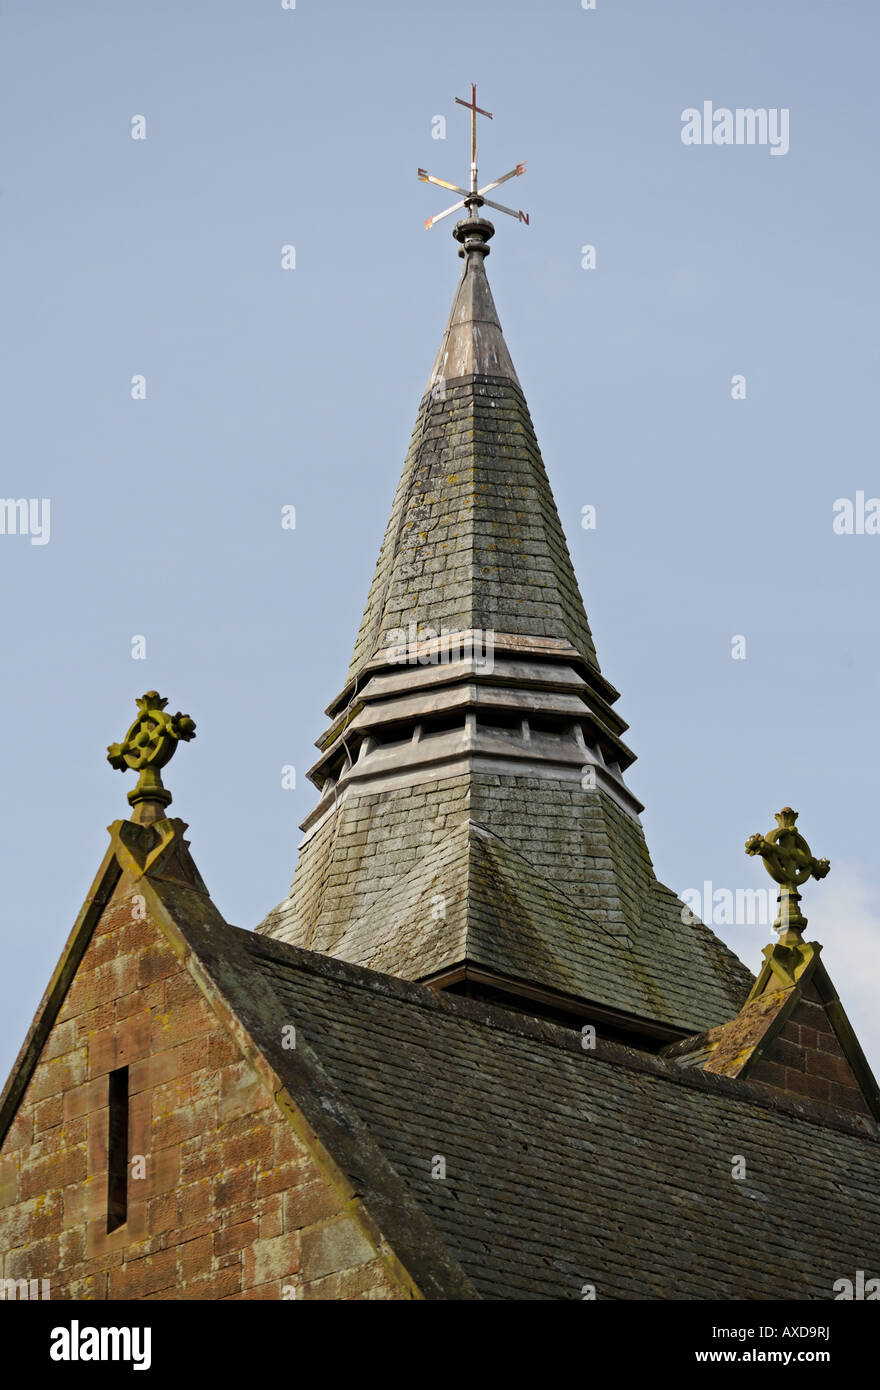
(266, 387)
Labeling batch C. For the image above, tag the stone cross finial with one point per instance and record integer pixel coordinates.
(788, 860)
(149, 745)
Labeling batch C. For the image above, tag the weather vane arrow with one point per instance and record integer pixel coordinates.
(474, 197)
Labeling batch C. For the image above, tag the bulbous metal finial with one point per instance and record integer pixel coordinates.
(149, 744)
(474, 234)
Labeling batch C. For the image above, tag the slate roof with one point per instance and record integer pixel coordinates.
(539, 880)
(502, 913)
(545, 880)
(474, 539)
(566, 1166)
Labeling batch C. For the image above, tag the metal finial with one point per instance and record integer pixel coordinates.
(149, 744)
(474, 198)
(789, 861)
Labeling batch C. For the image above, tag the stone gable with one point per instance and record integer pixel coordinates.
(232, 1204)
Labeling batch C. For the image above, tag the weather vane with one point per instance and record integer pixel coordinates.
(474, 197)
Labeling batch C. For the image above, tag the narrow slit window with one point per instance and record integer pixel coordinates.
(117, 1151)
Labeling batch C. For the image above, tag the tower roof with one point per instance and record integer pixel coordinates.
(474, 826)
(474, 541)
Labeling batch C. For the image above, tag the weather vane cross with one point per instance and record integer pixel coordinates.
(474, 197)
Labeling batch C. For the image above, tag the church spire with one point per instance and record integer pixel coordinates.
(474, 543)
(473, 343)
(474, 826)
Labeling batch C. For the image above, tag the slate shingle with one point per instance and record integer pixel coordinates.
(566, 1167)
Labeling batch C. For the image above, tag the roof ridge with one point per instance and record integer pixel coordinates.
(555, 1035)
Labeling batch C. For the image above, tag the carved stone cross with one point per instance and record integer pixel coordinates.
(149, 744)
(788, 860)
